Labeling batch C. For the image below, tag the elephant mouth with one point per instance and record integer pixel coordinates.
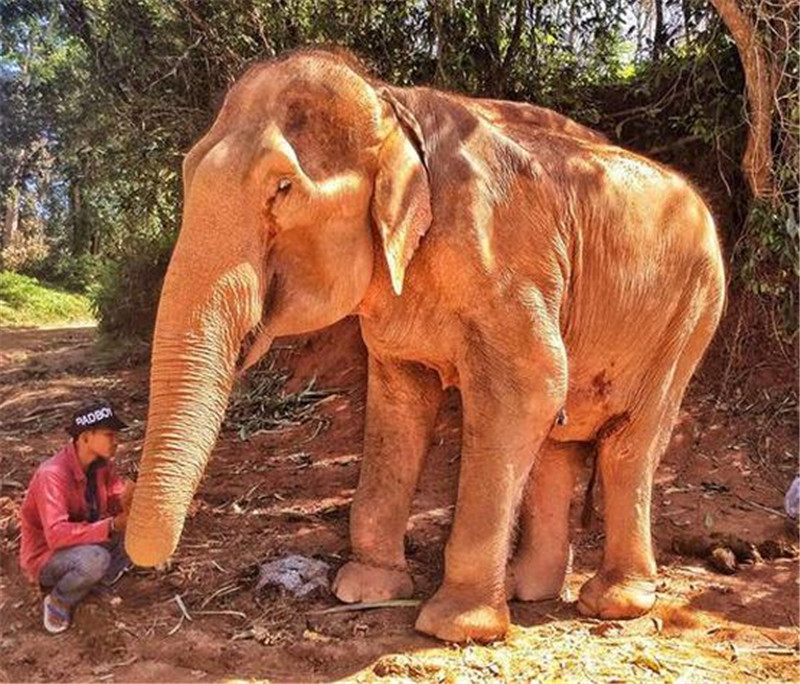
(247, 344)
(250, 341)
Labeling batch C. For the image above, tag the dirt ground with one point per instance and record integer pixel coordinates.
(733, 454)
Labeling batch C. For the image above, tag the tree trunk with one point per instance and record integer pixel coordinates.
(490, 27)
(687, 23)
(11, 222)
(758, 71)
(11, 219)
(513, 46)
(77, 219)
(786, 32)
(441, 11)
(660, 34)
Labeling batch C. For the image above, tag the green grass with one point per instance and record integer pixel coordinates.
(25, 301)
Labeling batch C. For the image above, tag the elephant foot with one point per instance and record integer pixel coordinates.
(534, 580)
(620, 600)
(356, 582)
(459, 617)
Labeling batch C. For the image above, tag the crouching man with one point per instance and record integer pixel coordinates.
(73, 516)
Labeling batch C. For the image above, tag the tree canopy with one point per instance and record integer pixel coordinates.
(100, 99)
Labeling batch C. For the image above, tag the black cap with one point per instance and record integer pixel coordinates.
(100, 414)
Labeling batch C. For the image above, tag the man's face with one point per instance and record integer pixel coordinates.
(101, 442)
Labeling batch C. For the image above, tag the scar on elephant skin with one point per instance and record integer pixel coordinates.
(561, 418)
(601, 384)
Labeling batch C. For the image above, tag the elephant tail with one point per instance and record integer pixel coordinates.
(615, 423)
(587, 515)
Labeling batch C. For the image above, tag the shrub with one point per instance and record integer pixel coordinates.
(126, 295)
(25, 301)
(23, 251)
(74, 274)
(768, 255)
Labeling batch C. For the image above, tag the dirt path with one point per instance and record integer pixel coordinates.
(289, 491)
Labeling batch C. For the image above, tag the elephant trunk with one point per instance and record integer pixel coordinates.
(195, 350)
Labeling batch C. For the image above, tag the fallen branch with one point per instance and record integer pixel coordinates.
(48, 408)
(775, 511)
(223, 590)
(654, 151)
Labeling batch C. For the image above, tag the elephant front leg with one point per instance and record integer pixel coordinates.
(503, 429)
(402, 402)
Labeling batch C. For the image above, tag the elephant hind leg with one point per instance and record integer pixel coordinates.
(543, 554)
(628, 456)
(624, 586)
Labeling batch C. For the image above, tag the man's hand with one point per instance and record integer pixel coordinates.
(125, 499)
(120, 521)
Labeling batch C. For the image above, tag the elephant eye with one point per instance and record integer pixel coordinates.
(281, 194)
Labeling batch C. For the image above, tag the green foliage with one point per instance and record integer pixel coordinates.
(769, 258)
(23, 253)
(262, 403)
(25, 301)
(79, 274)
(100, 99)
(690, 108)
(126, 297)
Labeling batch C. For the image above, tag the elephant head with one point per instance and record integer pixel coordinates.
(310, 172)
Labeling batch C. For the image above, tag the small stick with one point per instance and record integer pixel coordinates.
(127, 629)
(250, 491)
(762, 633)
(182, 606)
(761, 506)
(317, 430)
(394, 603)
(683, 663)
(125, 663)
(236, 613)
(50, 408)
(176, 627)
(225, 589)
(769, 650)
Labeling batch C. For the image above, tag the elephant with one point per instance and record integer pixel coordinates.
(566, 287)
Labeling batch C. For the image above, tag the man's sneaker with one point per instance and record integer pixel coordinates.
(56, 615)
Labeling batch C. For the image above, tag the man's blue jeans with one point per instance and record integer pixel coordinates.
(72, 572)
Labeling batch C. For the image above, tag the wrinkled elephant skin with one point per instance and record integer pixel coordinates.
(566, 287)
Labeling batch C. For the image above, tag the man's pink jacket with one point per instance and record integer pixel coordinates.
(54, 512)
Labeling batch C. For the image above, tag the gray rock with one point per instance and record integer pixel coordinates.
(791, 502)
(297, 574)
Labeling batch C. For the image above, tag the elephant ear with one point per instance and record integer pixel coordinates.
(401, 204)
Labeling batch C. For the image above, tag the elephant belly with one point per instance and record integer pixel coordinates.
(590, 405)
